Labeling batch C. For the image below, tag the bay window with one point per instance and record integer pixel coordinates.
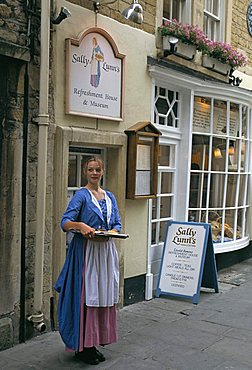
(220, 167)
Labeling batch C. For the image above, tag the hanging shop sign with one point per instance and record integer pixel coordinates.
(94, 76)
(188, 261)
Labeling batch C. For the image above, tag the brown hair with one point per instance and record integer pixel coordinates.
(94, 159)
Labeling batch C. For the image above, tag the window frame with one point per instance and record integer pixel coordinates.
(170, 114)
(240, 172)
(185, 11)
(218, 20)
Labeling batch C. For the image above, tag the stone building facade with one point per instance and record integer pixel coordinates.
(20, 64)
(32, 246)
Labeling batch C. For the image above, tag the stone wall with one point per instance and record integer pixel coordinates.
(240, 36)
(13, 22)
(20, 47)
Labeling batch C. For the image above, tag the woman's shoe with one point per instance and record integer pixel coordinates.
(88, 355)
(100, 355)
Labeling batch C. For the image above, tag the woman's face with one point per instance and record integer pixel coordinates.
(94, 172)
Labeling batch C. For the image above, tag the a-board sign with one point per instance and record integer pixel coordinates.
(188, 261)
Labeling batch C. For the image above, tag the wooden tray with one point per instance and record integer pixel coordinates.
(111, 235)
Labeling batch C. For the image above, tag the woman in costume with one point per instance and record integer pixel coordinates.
(89, 281)
(96, 58)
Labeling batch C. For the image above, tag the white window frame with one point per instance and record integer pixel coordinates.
(156, 248)
(190, 85)
(170, 111)
(217, 20)
(225, 246)
(184, 11)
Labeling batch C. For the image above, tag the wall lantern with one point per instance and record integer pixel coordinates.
(142, 160)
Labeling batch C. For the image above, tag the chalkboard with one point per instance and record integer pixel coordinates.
(188, 261)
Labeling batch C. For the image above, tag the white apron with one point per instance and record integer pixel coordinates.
(101, 268)
(101, 274)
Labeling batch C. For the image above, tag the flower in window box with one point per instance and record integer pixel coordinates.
(192, 35)
(225, 53)
(189, 38)
(186, 33)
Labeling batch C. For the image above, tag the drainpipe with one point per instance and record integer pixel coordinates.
(37, 318)
(22, 323)
(149, 275)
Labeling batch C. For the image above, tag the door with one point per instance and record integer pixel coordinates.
(162, 208)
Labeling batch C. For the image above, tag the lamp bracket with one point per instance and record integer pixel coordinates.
(97, 4)
(235, 81)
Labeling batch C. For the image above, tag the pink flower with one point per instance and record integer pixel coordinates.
(193, 35)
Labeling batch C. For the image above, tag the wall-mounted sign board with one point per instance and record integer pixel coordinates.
(94, 76)
(142, 160)
(188, 261)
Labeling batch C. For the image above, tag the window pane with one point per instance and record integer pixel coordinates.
(165, 207)
(83, 176)
(163, 231)
(218, 154)
(166, 183)
(200, 152)
(161, 120)
(162, 91)
(215, 9)
(72, 171)
(242, 197)
(164, 155)
(220, 117)
(198, 190)
(233, 151)
(208, 5)
(167, 9)
(170, 121)
(240, 223)
(201, 114)
(231, 190)
(154, 208)
(194, 216)
(229, 225)
(215, 220)
(217, 190)
(244, 121)
(153, 233)
(172, 9)
(244, 155)
(234, 120)
(162, 106)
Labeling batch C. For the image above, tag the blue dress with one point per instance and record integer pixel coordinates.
(85, 209)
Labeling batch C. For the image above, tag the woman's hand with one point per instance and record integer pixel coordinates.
(86, 231)
(81, 227)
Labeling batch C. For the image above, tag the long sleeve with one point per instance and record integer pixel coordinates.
(116, 221)
(72, 212)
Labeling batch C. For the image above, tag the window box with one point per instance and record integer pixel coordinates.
(181, 49)
(215, 65)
